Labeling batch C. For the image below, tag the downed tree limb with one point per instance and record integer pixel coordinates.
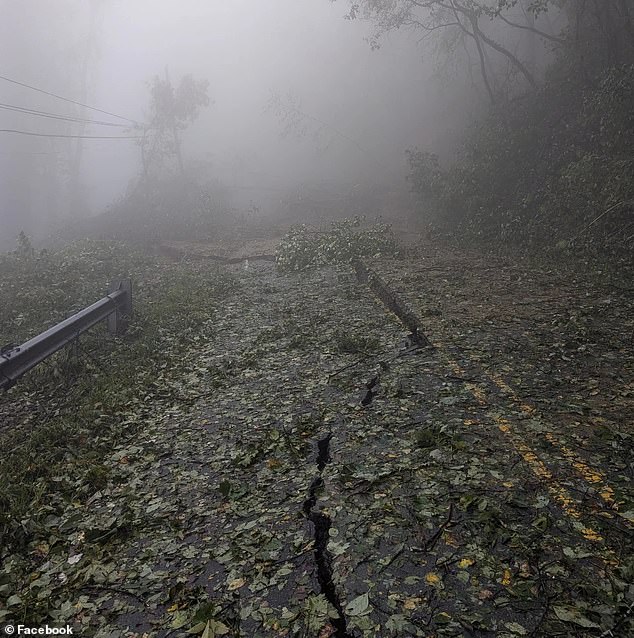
(430, 542)
(392, 302)
(180, 253)
(601, 216)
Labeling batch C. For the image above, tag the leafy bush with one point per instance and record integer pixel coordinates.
(540, 172)
(304, 247)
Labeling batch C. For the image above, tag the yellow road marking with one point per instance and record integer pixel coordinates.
(589, 474)
(557, 491)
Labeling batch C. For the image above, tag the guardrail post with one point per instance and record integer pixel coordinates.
(119, 319)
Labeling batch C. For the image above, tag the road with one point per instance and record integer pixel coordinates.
(339, 477)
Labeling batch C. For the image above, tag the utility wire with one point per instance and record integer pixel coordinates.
(65, 99)
(83, 137)
(12, 153)
(57, 116)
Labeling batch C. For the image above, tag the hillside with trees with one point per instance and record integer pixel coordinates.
(551, 163)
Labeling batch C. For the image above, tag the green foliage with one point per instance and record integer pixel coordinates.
(542, 172)
(304, 247)
(25, 248)
(178, 106)
(62, 416)
(298, 249)
(172, 110)
(49, 286)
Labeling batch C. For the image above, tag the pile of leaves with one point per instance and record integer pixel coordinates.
(186, 508)
(305, 247)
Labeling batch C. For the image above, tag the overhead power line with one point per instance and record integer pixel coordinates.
(58, 116)
(82, 137)
(65, 99)
(11, 153)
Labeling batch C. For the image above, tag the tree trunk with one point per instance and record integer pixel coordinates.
(175, 137)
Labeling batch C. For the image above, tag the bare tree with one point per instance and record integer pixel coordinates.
(468, 24)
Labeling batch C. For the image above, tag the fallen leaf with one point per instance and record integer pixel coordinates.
(516, 628)
(215, 628)
(567, 613)
(432, 578)
(358, 606)
(412, 603)
(72, 560)
(236, 583)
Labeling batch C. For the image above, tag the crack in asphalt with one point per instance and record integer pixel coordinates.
(321, 524)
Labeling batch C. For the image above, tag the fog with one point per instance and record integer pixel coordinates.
(360, 108)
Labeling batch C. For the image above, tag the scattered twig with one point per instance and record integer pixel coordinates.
(450, 560)
(346, 367)
(393, 558)
(430, 543)
(596, 219)
(454, 377)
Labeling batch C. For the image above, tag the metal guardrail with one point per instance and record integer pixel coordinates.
(116, 306)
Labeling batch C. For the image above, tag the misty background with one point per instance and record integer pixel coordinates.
(363, 107)
(508, 121)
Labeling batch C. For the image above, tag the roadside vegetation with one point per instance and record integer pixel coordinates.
(60, 419)
(340, 243)
(554, 171)
(548, 164)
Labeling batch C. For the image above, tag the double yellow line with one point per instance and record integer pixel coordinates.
(558, 492)
(589, 474)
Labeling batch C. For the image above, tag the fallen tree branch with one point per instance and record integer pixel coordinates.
(601, 216)
(430, 543)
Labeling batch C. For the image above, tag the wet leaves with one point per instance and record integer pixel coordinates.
(345, 240)
(212, 629)
(570, 614)
(199, 525)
